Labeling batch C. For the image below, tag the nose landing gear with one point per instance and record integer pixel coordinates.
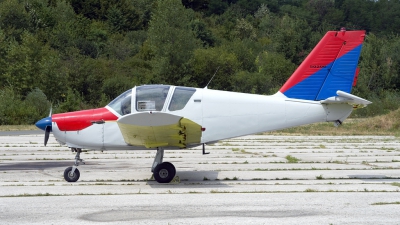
(72, 174)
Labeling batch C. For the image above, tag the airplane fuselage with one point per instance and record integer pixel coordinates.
(220, 114)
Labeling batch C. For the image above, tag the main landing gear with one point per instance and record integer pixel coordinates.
(163, 172)
(71, 174)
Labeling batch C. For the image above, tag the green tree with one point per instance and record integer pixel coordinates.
(15, 111)
(291, 38)
(14, 20)
(203, 33)
(275, 69)
(206, 62)
(385, 17)
(379, 65)
(73, 101)
(251, 82)
(38, 104)
(358, 14)
(32, 64)
(172, 41)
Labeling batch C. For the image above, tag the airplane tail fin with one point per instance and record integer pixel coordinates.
(331, 66)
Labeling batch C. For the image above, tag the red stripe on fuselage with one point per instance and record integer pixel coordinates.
(74, 121)
(326, 51)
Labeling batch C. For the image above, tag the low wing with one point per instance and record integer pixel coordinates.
(159, 130)
(344, 97)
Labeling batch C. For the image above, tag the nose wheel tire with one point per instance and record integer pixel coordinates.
(71, 177)
(164, 172)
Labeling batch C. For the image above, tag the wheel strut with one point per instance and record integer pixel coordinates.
(158, 159)
(71, 174)
(163, 172)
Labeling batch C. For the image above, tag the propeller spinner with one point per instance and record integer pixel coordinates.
(45, 124)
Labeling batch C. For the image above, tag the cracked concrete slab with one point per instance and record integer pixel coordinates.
(251, 179)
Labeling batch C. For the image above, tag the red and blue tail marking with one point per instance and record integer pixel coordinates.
(331, 66)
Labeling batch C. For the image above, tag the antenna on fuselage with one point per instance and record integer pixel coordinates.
(211, 78)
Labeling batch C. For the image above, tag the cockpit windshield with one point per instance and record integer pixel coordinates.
(122, 104)
(151, 97)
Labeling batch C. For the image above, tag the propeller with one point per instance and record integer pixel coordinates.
(45, 124)
(47, 134)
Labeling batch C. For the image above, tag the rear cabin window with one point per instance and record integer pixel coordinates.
(180, 98)
(151, 97)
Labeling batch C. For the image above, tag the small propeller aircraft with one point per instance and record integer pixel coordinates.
(163, 117)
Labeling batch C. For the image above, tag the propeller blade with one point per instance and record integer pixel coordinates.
(47, 134)
(51, 110)
(45, 124)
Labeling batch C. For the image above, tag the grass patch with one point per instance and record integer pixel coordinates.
(292, 159)
(17, 127)
(311, 190)
(386, 203)
(244, 151)
(33, 195)
(387, 124)
(226, 144)
(397, 184)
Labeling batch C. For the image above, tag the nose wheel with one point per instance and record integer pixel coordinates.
(72, 174)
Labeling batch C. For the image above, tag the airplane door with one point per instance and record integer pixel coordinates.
(187, 102)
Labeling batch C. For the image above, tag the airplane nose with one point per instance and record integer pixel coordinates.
(43, 123)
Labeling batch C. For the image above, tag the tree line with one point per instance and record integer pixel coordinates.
(78, 54)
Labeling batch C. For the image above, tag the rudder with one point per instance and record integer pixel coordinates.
(331, 66)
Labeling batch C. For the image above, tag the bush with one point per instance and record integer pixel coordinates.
(73, 102)
(384, 103)
(15, 111)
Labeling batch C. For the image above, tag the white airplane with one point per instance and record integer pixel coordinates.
(163, 117)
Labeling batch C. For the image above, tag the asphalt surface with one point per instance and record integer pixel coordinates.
(21, 132)
(258, 179)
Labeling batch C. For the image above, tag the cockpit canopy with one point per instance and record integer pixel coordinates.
(152, 98)
(122, 104)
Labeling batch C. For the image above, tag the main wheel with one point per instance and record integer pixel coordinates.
(164, 172)
(71, 177)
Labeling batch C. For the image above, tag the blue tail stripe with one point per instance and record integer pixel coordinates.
(309, 87)
(341, 76)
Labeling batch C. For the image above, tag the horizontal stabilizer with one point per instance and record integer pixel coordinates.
(344, 97)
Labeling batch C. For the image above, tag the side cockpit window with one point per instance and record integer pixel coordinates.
(122, 104)
(151, 97)
(180, 98)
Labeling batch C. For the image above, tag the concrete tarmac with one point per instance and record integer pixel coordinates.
(257, 179)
